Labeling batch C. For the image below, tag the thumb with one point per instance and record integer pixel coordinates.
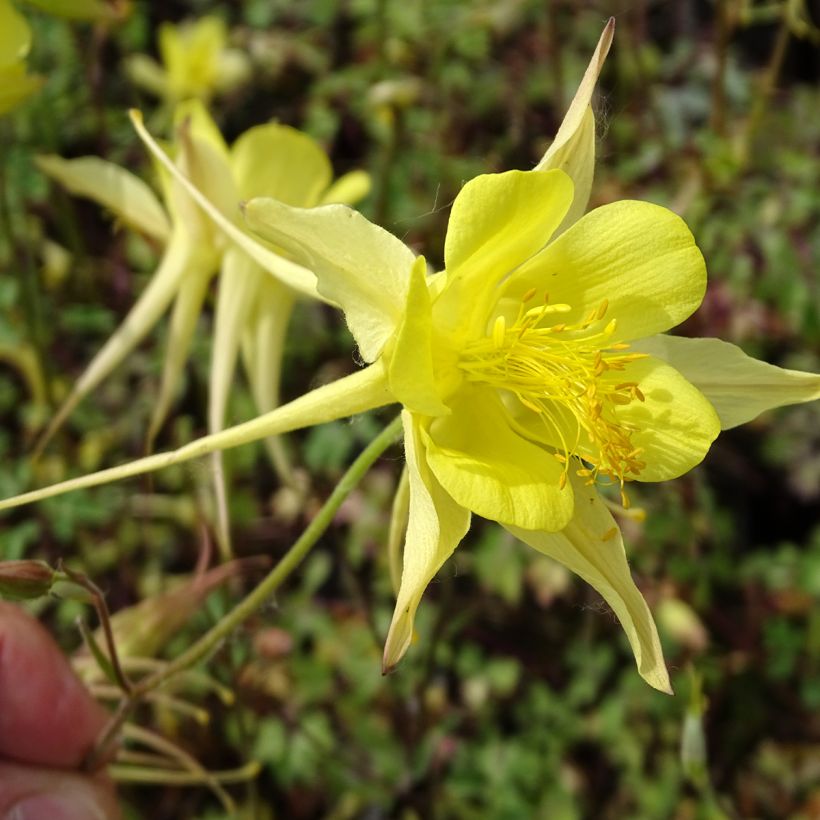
(47, 794)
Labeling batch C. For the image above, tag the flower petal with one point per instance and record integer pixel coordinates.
(674, 426)
(295, 276)
(489, 469)
(187, 307)
(412, 380)
(358, 265)
(498, 221)
(435, 527)
(639, 257)
(348, 189)
(738, 386)
(113, 187)
(573, 150)
(15, 35)
(592, 547)
(279, 161)
(179, 257)
(263, 346)
(363, 390)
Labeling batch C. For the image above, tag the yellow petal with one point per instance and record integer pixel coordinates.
(204, 159)
(147, 73)
(193, 116)
(280, 162)
(410, 370)
(190, 52)
(348, 189)
(436, 525)
(592, 547)
(364, 390)
(639, 257)
(15, 35)
(397, 534)
(15, 42)
(263, 345)
(141, 318)
(239, 283)
(738, 386)
(674, 426)
(113, 187)
(573, 149)
(489, 469)
(187, 308)
(16, 85)
(498, 221)
(358, 265)
(295, 276)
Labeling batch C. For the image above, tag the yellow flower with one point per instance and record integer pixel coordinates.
(530, 370)
(253, 306)
(196, 62)
(15, 42)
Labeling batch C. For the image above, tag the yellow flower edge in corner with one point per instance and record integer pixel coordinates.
(15, 42)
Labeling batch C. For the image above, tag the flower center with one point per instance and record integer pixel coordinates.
(563, 373)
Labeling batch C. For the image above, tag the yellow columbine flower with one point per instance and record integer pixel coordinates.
(196, 62)
(529, 370)
(15, 42)
(253, 306)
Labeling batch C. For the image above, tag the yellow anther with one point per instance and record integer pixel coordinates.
(554, 371)
(624, 499)
(562, 482)
(609, 534)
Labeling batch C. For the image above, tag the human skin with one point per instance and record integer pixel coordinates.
(48, 722)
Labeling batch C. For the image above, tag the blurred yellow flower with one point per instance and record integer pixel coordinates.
(196, 62)
(255, 295)
(15, 42)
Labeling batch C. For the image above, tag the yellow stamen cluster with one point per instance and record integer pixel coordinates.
(557, 370)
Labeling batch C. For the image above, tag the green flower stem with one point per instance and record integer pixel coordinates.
(257, 597)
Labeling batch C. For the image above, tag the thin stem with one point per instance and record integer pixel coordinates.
(255, 599)
(722, 34)
(104, 616)
(767, 86)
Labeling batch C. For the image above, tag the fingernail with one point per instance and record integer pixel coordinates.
(55, 807)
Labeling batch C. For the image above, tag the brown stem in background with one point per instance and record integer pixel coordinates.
(723, 32)
(768, 82)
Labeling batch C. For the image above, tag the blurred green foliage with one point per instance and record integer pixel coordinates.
(519, 698)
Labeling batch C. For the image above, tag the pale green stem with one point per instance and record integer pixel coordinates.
(292, 558)
(257, 597)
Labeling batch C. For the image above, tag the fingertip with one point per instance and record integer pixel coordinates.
(47, 716)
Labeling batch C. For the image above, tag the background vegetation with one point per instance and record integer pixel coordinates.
(520, 698)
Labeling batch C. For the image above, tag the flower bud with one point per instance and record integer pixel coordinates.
(23, 580)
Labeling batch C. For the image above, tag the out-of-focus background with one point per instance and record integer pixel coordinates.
(520, 697)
